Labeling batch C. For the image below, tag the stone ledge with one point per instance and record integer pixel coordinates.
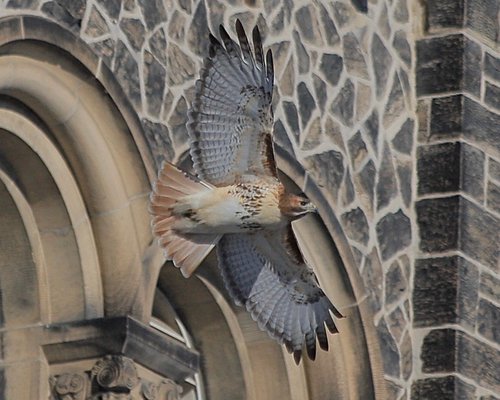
(125, 336)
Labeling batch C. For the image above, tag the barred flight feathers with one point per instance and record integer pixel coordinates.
(231, 118)
(281, 294)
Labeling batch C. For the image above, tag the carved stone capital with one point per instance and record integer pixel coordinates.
(166, 389)
(70, 386)
(112, 396)
(113, 377)
(149, 390)
(115, 373)
(171, 389)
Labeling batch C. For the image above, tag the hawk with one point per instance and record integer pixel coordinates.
(237, 203)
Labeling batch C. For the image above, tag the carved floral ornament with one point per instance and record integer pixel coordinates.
(69, 386)
(111, 378)
(115, 373)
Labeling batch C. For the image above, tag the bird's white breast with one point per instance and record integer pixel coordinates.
(231, 209)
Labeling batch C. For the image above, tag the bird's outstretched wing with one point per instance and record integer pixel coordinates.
(268, 275)
(231, 118)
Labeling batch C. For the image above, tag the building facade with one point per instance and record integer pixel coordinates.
(387, 117)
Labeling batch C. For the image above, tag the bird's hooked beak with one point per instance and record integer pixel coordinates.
(311, 208)
(307, 207)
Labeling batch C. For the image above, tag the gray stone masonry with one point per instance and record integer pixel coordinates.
(392, 107)
(455, 299)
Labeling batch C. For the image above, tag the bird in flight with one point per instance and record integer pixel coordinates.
(237, 203)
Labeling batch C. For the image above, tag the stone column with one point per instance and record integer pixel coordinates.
(456, 279)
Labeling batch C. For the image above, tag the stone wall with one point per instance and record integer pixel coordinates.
(350, 82)
(456, 299)
(344, 105)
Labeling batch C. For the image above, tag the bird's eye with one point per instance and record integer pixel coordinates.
(304, 203)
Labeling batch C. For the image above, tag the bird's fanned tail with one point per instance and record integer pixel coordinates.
(186, 252)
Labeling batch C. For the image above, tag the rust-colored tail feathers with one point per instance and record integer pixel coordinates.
(187, 252)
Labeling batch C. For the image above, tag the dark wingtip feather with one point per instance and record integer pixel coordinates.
(231, 47)
(322, 338)
(214, 45)
(257, 45)
(311, 351)
(213, 40)
(240, 31)
(331, 325)
(223, 33)
(256, 35)
(242, 38)
(239, 27)
(297, 356)
(335, 312)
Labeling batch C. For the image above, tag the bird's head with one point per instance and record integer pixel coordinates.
(295, 206)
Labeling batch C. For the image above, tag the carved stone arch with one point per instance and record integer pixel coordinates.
(52, 211)
(75, 173)
(104, 164)
(236, 354)
(358, 368)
